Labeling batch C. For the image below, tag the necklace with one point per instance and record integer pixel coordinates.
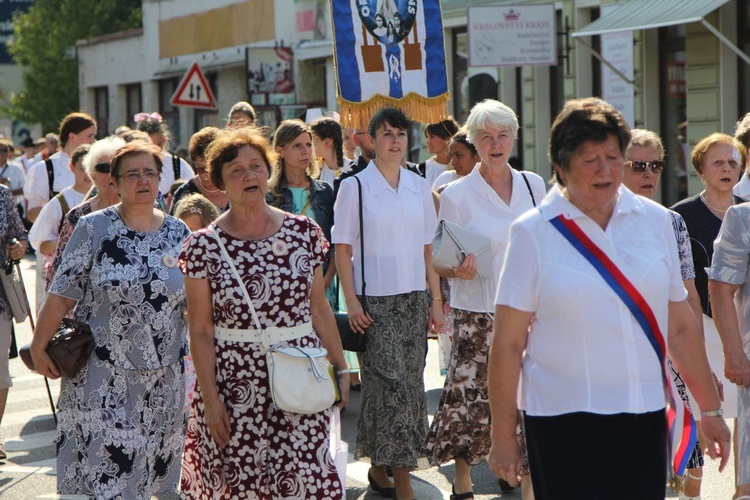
(703, 199)
(209, 191)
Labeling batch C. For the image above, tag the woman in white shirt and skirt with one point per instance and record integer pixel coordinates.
(486, 201)
(398, 226)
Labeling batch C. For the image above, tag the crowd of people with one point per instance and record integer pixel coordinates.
(556, 340)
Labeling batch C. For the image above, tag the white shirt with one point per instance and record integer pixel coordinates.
(586, 352)
(15, 173)
(327, 175)
(36, 188)
(433, 169)
(167, 173)
(398, 223)
(47, 225)
(742, 188)
(472, 204)
(445, 178)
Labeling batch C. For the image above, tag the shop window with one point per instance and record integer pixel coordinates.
(133, 103)
(101, 111)
(674, 180)
(557, 72)
(461, 103)
(170, 113)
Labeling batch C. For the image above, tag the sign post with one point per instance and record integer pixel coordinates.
(194, 91)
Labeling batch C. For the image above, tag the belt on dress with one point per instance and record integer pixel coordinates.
(273, 334)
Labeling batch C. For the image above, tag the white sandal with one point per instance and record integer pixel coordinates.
(683, 496)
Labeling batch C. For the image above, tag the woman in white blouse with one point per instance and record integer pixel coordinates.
(398, 226)
(592, 388)
(486, 201)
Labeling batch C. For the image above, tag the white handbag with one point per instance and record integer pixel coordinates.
(299, 377)
(452, 244)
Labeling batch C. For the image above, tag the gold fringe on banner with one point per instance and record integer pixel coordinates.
(418, 108)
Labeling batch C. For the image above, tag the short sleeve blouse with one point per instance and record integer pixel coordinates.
(128, 289)
(277, 271)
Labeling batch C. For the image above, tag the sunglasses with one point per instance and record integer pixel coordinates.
(102, 168)
(656, 166)
(4, 150)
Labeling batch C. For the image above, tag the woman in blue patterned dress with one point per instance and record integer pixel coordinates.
(121, 423)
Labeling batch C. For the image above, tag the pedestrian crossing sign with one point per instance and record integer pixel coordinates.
(194, 91)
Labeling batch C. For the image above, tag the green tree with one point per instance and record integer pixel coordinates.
(45, 45)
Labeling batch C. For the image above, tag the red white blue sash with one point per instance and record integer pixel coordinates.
(680, 423)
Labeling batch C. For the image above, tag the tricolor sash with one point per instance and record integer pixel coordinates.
(680, 423)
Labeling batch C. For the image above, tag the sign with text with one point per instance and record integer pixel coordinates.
(512, 35)
(617, 49)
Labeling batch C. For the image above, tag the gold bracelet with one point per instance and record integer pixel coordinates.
(438, 299)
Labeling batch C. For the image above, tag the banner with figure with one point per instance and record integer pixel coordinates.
(389, 53)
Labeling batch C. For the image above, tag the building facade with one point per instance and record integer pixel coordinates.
(685, 74)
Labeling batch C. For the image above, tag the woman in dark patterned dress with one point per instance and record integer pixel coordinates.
(398, 226)
(121, 424)
(238, 444)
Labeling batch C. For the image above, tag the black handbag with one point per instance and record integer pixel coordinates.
(352, 340)
(70, 348)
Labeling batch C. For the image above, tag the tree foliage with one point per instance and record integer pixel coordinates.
(44, 45)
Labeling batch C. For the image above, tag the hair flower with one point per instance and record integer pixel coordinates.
(145, 116)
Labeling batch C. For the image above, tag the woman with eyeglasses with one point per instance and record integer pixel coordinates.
(718, 159)
(121, 423)
(96, 165)
(201, 183)
(641, 173)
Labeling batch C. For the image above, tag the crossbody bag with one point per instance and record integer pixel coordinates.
(300, 378)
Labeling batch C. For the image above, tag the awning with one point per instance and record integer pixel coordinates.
(314, 49)
(644, 14)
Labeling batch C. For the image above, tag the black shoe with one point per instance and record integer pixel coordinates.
(462, 496)
(384, 491)
(504, 485)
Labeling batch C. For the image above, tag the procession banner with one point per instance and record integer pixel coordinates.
(389, 53)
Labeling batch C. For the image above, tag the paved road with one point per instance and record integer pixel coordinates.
(29, 431)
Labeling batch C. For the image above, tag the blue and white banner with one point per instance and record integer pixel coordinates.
(389, 53)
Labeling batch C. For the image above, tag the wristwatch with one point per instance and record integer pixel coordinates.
(715, 413)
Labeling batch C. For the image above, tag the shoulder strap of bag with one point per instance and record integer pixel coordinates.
(4, 169)
(528, 186)
(362, 245)
(50, 177)
(65, 209)
(229, 260)
(176, 166)
(422, 167)
(682, 428)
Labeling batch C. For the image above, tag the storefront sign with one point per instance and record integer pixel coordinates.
(310, 20)
(617, 49)
(517, 35)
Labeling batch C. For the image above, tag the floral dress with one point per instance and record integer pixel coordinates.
(121, 425)
(271, 454)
